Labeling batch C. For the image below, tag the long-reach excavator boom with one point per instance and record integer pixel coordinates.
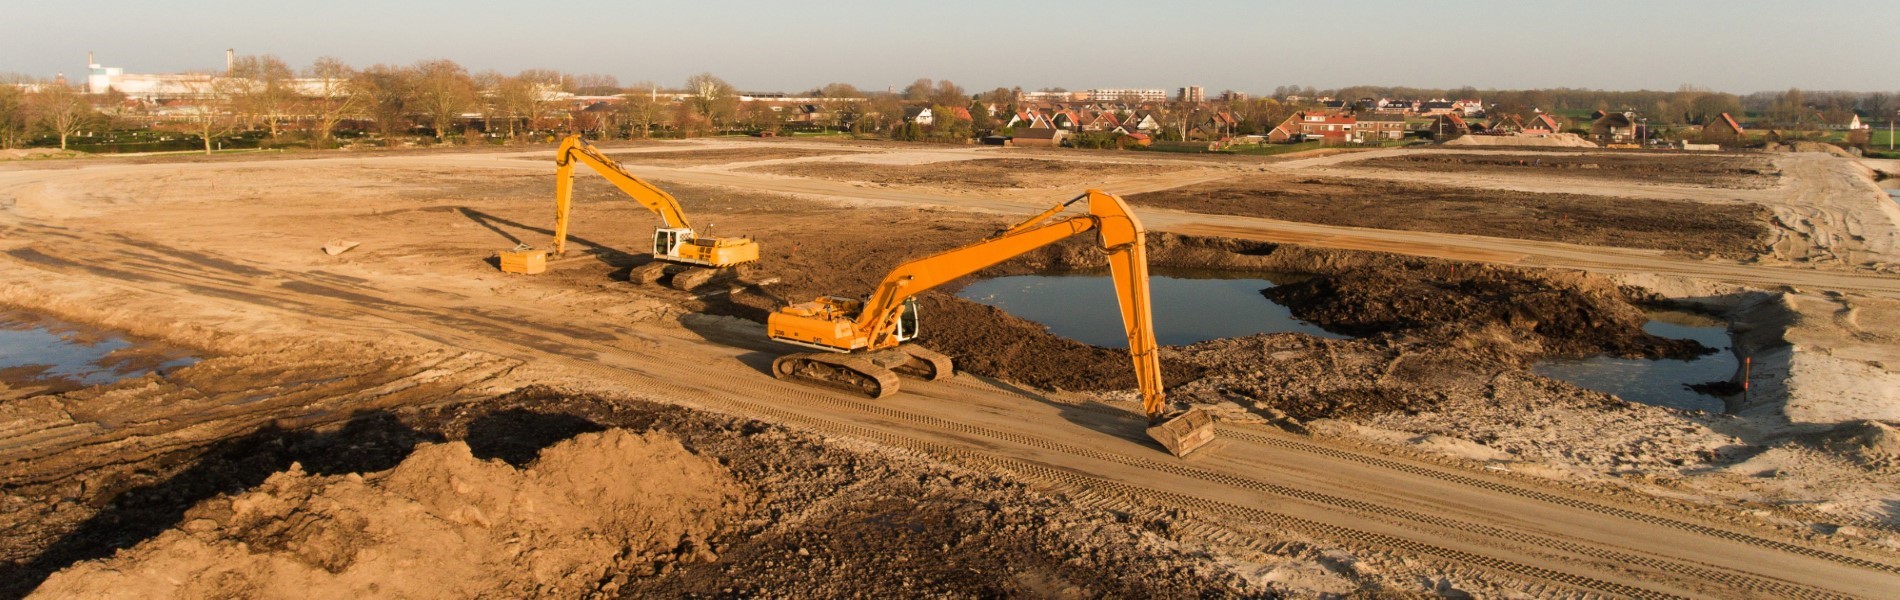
(866, 338)
(674, 242)
(574, 149)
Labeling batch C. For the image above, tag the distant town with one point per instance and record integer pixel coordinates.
(261, 101)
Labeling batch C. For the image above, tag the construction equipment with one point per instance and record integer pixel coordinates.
(862, 341)
(690, 258)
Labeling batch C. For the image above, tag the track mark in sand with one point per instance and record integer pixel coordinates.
(1449, 525)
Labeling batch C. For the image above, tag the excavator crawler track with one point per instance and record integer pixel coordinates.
(926, 364)
(693, 277)
(837, 370)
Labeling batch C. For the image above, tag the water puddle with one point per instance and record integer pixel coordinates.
(45, 355)
(1189, 305)
(1662, 382)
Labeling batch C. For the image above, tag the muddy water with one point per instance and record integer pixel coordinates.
(1189, 305)
(1659, 382)
(36, 352)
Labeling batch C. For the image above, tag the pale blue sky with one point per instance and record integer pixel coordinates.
(1736, 45)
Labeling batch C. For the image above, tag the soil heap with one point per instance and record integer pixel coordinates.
(441, 524)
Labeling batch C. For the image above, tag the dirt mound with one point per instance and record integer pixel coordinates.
(987, 341)
(1554, 140)
(1555, 314)
(442, 523)
(1870, 443)
(1821, 147)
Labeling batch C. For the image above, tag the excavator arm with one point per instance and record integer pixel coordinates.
(574, 149)
(1119, 233)
(876, 327)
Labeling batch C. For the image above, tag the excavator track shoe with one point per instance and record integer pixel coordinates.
(837, 370)
(692, 278)
(647, 273)
(1184, 432)
(926, 364)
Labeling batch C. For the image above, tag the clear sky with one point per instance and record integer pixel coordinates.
(1246, 45)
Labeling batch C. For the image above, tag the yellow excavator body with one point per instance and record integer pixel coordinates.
(674, 241)
(861, 343)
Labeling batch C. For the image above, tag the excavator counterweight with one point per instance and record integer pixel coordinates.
(678, 250)
(862, 347)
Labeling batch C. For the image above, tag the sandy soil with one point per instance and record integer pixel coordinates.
(545, 493)
(1747, 172)
(1734, 231)
(977, 174)
(714, 156)
(408, 339)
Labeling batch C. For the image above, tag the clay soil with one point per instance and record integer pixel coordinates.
(994, 173)
(789, 515)
(1706, 171)
(1734, 231)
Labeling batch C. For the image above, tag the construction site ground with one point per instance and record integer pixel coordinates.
(346, 409)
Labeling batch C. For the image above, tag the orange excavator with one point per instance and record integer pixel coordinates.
(691, 259)
(862, 345)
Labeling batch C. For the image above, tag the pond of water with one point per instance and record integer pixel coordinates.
(37, 350)
(1661, 382)
(1189, 305)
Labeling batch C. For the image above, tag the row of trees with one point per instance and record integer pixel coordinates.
(54, 110)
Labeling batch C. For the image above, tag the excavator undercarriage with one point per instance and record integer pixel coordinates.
(875, 374)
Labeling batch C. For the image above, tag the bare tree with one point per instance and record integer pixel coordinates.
(594, 84)
(711, 97)
(212, 112)
(920, 90)
(385, 94)
(443, 92)
(13, 114)
(949, 94)
(60, 110)
(643, 108)
(331, 97)
(840, 102)
(525, 98)
(488, 98)
(264, 88)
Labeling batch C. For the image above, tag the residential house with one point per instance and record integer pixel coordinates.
(1433, 108)
(1328, 128)
(1143, 121)
(1372, 127)
(1615, 128)
(1445, 126)
(1542, 124)
(1471, 107)
(1723, 130)
(1504, 124)
(1101, 121)
(919, 115)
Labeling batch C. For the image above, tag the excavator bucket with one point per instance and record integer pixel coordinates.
(1184, 432)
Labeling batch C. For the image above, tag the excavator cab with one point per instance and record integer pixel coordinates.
(906, 321)
(667, 241)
